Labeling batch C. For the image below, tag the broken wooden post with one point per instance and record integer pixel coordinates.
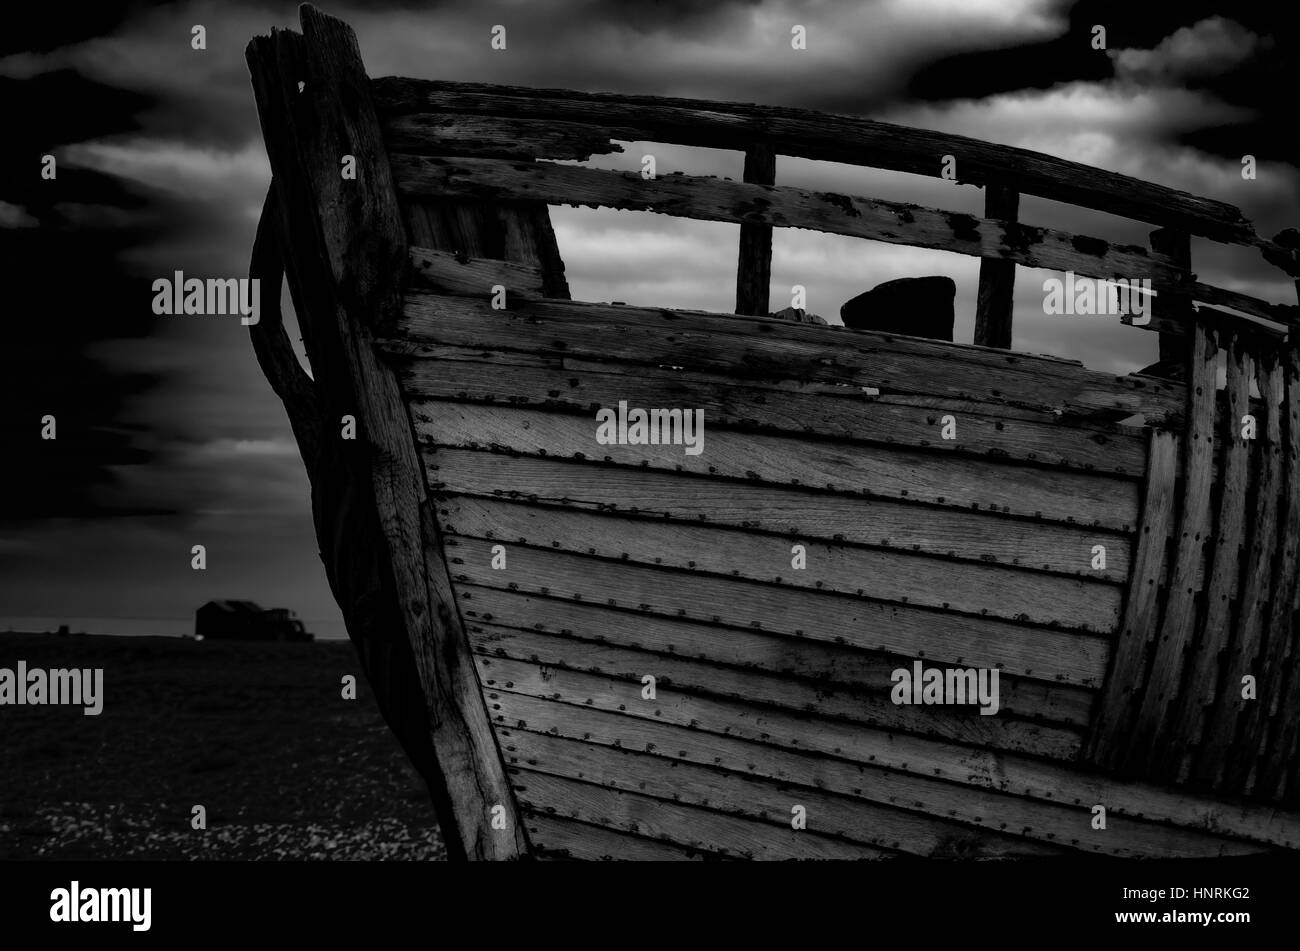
(754, 264)
(997, 275)
(344, 248)
(1172, 303)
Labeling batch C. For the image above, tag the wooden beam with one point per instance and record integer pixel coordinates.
(997, 276)
(1276, 727)
(1150, 751)
(465, 374)
(1231, 526)
(1222, 760)
(1171, 303)
(714, 199)
(496, 136)
(754, 262)
(378, 539)
(828, 137)
(1107, 740)
(749, 348)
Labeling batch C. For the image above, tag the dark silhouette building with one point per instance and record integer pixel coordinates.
(247, 621)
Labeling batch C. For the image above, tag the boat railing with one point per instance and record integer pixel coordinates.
(453, 140)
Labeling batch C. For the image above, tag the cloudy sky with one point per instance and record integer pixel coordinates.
(168, 436)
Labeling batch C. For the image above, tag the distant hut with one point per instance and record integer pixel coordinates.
(247, 621)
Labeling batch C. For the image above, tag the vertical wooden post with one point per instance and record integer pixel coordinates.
(1151, 750)
(754, 264)
(997, 277)
(1170, 302)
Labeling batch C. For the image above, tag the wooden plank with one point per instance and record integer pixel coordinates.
(754, 260)
(561, 839)
(941, 480)
(1099, 426)
(840, 818)
(1202, 690)
(496, 136)
(868, 702)
(1221, 759)
(713, 199)
(828, 137)
(989, 590)
(793, 514)
(1171, 304)
(448, 273)
(383, 559)
(1151, 749)
(993, 732)
(1286, 314)
(1056, 823)
(487, 609)
(572, 696)
(1122, 692)
(441, 267)
(686, 826)
(1272, 726)
(909, 631)
(553, 382)
(993, 306)
(764, 349)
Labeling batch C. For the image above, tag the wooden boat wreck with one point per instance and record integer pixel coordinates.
(606, 651)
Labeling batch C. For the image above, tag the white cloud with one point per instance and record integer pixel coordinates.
(180, 168)
(1208, 48)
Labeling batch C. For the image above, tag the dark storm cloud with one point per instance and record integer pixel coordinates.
(66, 291)
(162, 167)
(1245, 54)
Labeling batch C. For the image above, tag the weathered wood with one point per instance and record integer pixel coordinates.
(554, 382)
(864, 703)
(1151, 750)
(489, 609)
(1206, 662)
(793, 514)
(1171, 302)
(989, 590)
(993, 304)
(912, 632)
(714, 199)
(993, 733)
(1122, 692)
(841, 818)
(1276, 767)
(1270, 719)
(944, 480)
(1099, 427)
(754, 261)
(829, 137)
(447, 273)
(748, 348)
(498, 136)
(559, 839)
(686, 826)
(275, 353)
(578, 699)
(1222, 761)
(384, 568)
(1040, 820)
(1287, 315)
